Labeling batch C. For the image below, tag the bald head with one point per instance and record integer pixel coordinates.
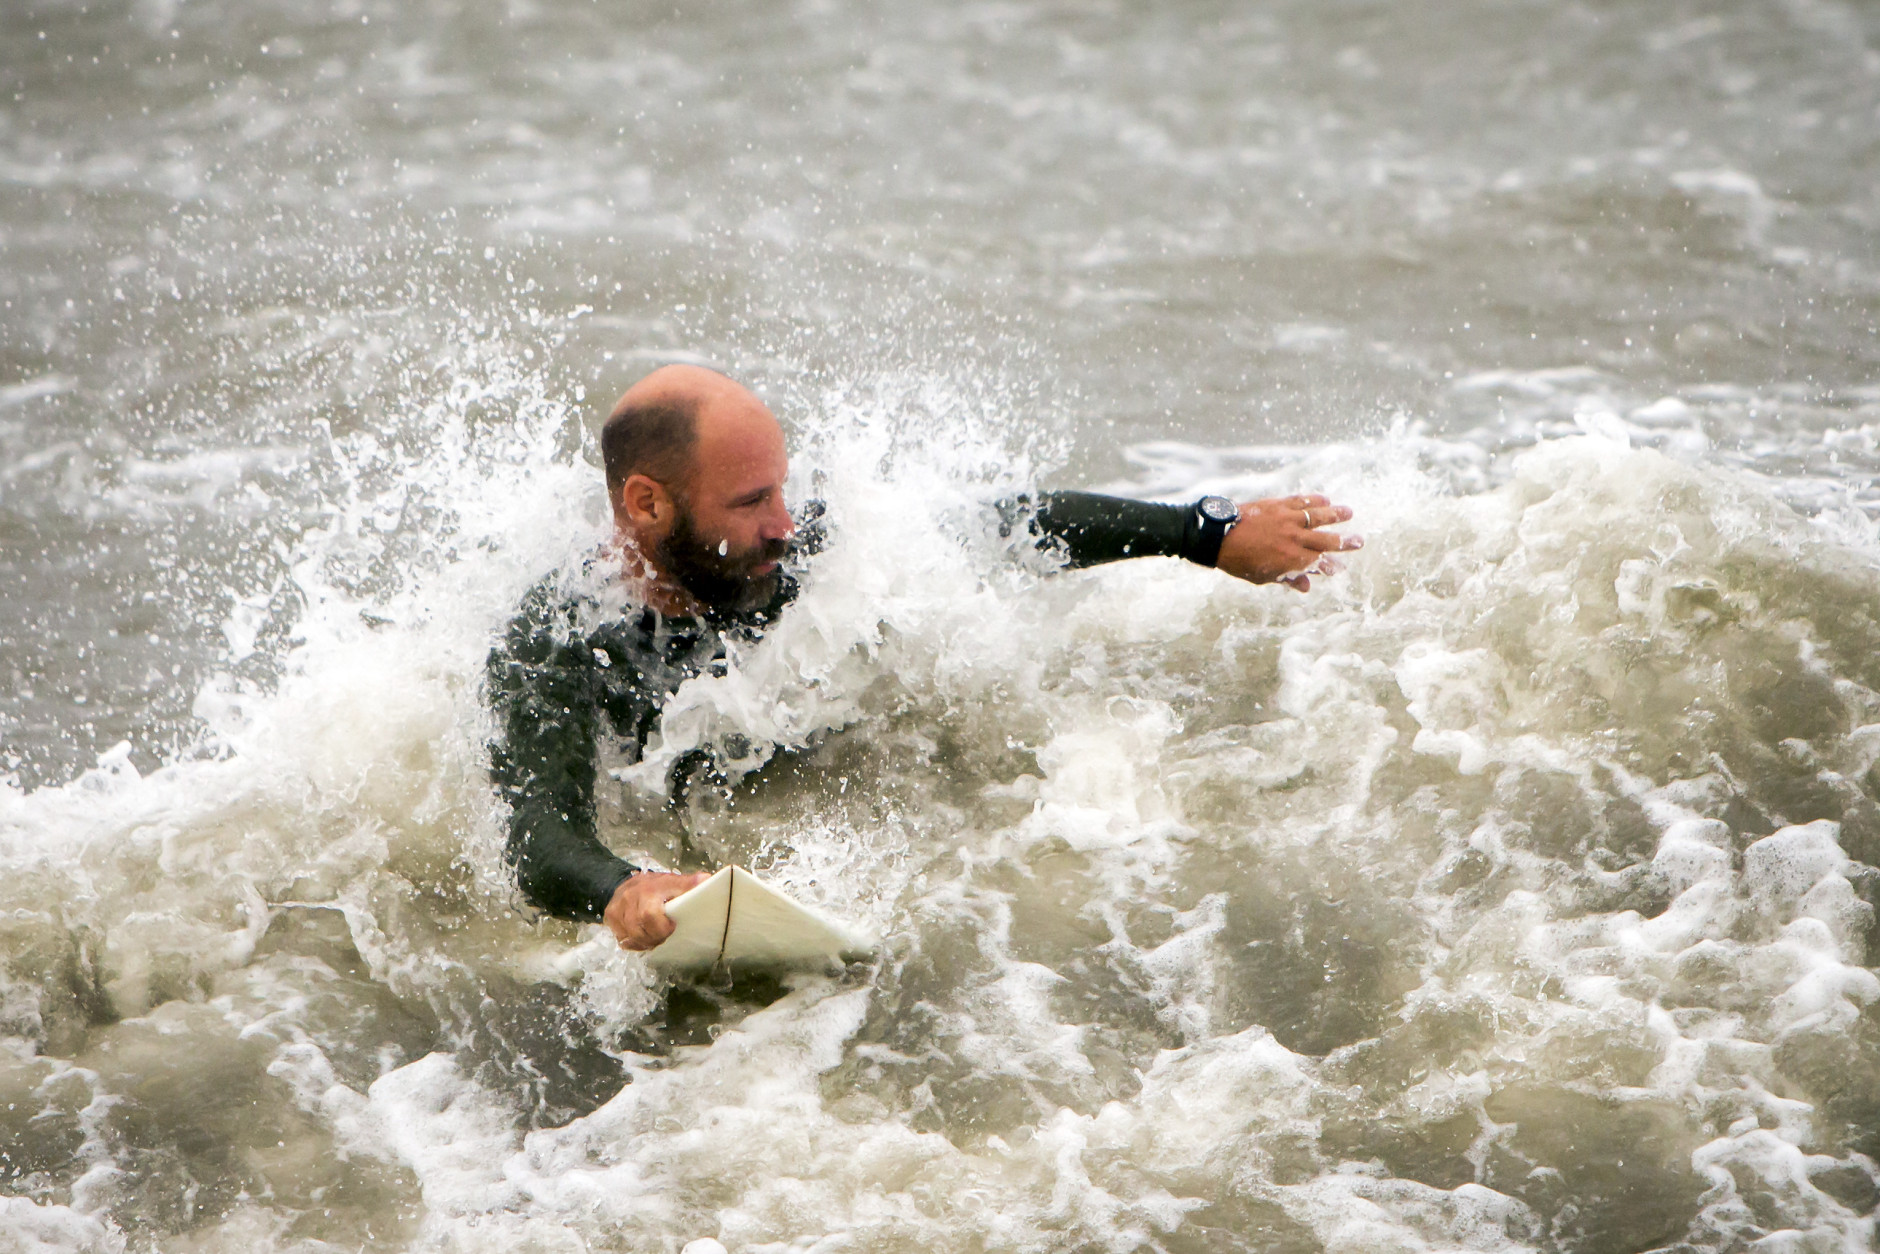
(695, 459)
(654, 426)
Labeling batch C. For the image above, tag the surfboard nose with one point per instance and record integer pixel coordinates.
(736, 919)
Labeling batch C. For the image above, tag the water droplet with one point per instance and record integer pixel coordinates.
(724, 547)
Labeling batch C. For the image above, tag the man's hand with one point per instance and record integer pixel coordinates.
(637, 913)
(1280, 540)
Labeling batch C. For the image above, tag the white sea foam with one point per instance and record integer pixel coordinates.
(1207, 907)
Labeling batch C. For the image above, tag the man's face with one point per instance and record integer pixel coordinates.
(712, 570)
(732, 528)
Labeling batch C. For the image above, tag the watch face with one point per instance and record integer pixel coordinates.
(1219, 509)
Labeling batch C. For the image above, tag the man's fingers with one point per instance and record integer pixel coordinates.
(655, 924)
(1298, 581)
(1308, 509)
(650, 926)
(1330, 542)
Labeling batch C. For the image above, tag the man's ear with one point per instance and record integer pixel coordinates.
(646, 503)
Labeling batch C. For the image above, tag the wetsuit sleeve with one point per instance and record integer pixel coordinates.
(543, 764)
(1089, 529)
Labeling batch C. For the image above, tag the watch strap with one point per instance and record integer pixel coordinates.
(1201, 542)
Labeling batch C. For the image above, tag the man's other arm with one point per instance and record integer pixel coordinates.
(1275, 540)
(540, 686)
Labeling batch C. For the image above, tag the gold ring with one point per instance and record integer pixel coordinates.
(1308, 514)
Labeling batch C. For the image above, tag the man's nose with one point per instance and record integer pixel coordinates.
(779, 525)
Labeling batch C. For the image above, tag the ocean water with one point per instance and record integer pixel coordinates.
(1513, 890)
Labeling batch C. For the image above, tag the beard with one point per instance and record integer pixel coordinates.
(725, 581)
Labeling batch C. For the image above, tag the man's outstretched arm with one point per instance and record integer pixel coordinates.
(1275, 540)
(544, 766)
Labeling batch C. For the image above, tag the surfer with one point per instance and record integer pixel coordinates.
(695, 466)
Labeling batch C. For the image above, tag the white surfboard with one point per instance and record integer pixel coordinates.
(736, 919)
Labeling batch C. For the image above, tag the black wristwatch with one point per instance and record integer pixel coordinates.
(1215, 516)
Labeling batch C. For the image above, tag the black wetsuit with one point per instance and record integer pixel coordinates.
(565, 673)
